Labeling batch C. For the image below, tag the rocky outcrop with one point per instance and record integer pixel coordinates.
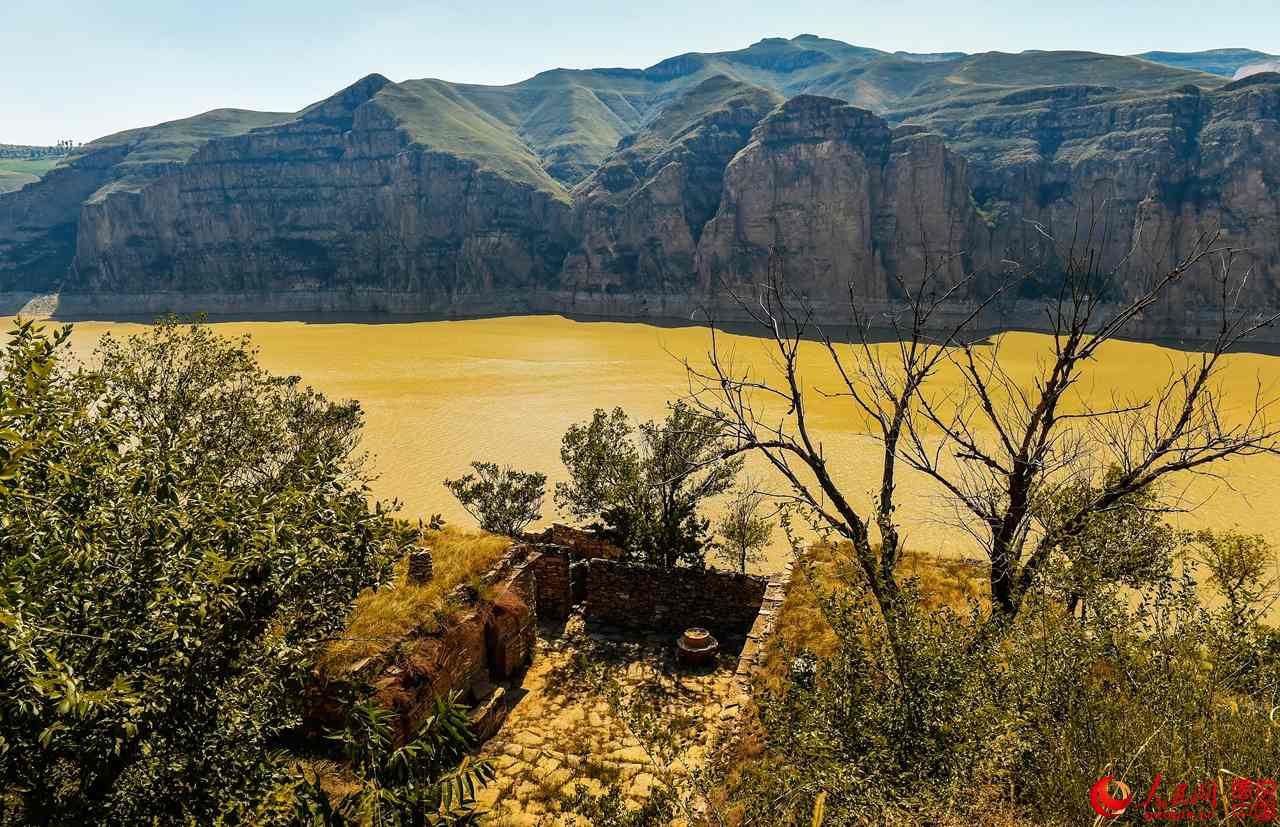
(339, 199)
(1256, 69)
(1123, 174)
(425, 196)
(38, 224)
(640, 215)
(846, 203)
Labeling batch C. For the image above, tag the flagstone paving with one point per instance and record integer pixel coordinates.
(568, 728)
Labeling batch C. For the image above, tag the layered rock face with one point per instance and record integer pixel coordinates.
(846, 203)
(640, 215)
(38, 224)
(1138, 179)
(339, 199)
(425, 196)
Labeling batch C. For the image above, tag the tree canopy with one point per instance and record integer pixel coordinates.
(180, 531)
(646, 484)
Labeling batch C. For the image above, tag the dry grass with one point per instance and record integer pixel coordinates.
(802, 626)
(945, 581)
(384, 617)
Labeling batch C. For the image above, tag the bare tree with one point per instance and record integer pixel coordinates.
(743, 530)
(1000, 445)
(1005, 447)
(769, 415)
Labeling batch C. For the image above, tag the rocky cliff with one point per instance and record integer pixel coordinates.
(848, 204)
(1146, 173)
(340, 198)
(640, 215)
(650, 192)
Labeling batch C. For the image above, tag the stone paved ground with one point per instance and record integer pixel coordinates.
(567, 729)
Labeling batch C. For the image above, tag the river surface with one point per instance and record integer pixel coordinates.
(440, 394)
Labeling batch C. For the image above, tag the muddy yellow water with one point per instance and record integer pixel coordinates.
(440, 394)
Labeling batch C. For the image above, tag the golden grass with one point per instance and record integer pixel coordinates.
(802, 627)
(945, 581)
(383, 618)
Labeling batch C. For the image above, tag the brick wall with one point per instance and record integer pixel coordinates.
(672, 599)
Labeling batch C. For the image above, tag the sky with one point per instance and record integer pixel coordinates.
(79, 70)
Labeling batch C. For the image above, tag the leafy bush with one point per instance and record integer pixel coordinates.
(181, 531)
(503, 500)
(647, 492)
(975, 728)
(429, 780)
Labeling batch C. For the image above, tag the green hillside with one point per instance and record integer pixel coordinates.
(151, 148)
(680, 124)
(437, 117)
(552, 130)
(15, 173)
(572, 119)
(10, 181)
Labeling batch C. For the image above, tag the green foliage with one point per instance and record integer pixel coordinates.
(743, 531)
(503, 500)
(1241, 567)
(972, 728)
(167, 573)
(646, 485)
(430, 780)
(1128, 545)
(194, 398)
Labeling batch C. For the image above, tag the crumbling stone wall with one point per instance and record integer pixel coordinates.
(672, 599)
(489, 639)
(553, 582)
(585, 545)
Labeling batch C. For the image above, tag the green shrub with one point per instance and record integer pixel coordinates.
(1013, 728)
(180, 533)
(647, 491)
(429, 780)
(502, 500)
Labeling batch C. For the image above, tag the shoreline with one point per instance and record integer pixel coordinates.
(674, 311)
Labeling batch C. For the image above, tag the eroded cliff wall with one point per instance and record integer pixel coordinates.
(846, 204)
(414, 198)
(339, 200)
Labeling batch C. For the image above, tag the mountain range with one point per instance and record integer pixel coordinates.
(648, 191)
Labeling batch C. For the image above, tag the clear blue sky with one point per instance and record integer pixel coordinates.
(80, 69)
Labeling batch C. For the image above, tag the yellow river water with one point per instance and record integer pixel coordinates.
(440, 394)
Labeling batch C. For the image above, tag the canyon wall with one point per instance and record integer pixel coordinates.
(334, 202)
(380, 199)
(849, 205)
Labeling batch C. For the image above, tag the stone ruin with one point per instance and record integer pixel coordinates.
(421, 568)
(489, 640)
